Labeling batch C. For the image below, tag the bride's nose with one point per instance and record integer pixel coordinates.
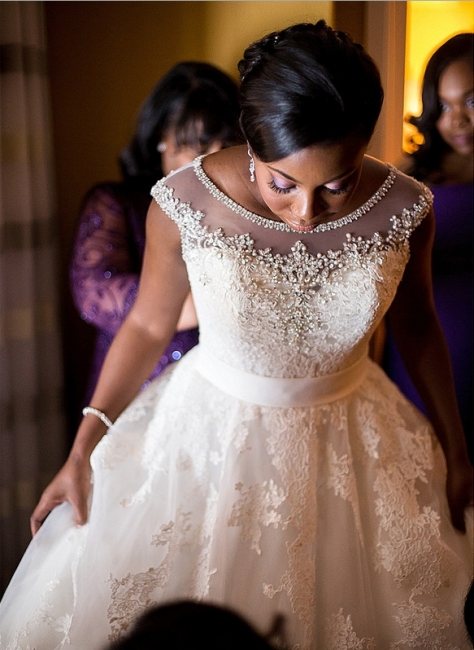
(307, 207)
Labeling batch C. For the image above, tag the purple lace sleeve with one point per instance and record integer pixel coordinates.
(105, 268)
(104, 275)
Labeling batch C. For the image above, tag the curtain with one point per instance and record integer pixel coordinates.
(32, 422)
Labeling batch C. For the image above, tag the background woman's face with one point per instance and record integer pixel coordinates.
(456, 96)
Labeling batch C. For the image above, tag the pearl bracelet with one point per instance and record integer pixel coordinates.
(90, 409)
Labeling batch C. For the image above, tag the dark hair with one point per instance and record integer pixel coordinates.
(198, 101)
(304, 85)
(427, 157)
(188, 624)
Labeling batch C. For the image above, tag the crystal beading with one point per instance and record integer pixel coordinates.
(279, 225)
(302, 277)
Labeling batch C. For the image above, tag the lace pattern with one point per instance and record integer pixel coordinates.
(105, 268)
(302, 303)
(334, 515)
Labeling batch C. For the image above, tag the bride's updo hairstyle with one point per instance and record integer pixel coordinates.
(304, 85)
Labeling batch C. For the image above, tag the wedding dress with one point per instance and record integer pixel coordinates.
(274, 468)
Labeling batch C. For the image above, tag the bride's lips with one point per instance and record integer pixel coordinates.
(308, 227)
(301, 228)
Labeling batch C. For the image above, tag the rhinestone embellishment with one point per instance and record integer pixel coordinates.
(279, 225)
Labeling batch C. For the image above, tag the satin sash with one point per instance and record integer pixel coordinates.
(280, 392)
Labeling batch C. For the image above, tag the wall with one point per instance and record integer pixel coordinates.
(104, 58)
(231, 26)
(385, 30)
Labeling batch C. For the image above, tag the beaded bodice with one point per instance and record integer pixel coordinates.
(279, 225)
(284, 304)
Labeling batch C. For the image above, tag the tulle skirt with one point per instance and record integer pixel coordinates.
(333, 514)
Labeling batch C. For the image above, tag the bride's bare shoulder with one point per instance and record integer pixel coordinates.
(223, 166)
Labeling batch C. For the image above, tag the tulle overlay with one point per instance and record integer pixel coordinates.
(333, 514)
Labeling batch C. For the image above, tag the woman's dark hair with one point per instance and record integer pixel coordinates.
(198, 101)
(427, 158)
(181, 625)
(304, 85)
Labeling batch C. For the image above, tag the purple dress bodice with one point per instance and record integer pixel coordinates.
(452, 285)
(106, 264)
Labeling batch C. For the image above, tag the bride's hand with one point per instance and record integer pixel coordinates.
(72, 483)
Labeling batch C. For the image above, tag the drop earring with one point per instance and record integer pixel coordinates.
(251, 167)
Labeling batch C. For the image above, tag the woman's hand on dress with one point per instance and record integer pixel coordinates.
(72, 483)
(459, 490)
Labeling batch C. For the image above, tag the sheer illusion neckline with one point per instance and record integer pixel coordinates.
(279, 225)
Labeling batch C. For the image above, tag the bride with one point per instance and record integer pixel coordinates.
(274, 469)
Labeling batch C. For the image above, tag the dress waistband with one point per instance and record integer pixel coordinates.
(280, 392)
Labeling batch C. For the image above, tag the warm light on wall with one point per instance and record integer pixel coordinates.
(429, 24)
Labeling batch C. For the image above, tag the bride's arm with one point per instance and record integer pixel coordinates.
(133, 355)
(414, 323)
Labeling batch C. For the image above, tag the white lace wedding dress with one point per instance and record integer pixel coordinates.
(274, 468)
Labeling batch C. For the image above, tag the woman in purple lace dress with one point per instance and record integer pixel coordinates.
(192, 110)
(445, 163)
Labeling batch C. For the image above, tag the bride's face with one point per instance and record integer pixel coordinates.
(313, 185)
